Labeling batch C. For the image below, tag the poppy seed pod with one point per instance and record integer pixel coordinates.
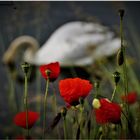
(120, 57)
(25, 67)
(121, 13)
(48, 72)
(116, 76)
(63, 111)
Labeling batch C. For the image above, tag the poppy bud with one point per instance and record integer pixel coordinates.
(96, 103)
(120, 57)
(56, 120)
(25, 67)
(116, 76)
(121, 13)
(63, 111)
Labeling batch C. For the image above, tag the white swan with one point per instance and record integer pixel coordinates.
(74, 43)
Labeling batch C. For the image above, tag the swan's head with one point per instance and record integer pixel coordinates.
(15, 51)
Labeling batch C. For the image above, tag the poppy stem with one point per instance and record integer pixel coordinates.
(124, 56)
(113, 94)
(64, 126)
(97, 85)
(81, 100)
(45, 102)
(26, 67)
(54, 99)
(26, 103)
(55, 105)
(121, 12)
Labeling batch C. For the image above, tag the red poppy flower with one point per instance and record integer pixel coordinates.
(54, 69)
(131, 98)
(108, 112)
(20, 119)
(22, 137)
(71, 89)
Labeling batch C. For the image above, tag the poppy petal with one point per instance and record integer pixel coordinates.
(54, 68)
(20, 119)
(71, 89)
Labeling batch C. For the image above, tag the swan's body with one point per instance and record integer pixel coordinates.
(74, 43)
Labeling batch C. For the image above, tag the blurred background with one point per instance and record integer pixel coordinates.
(40, 20)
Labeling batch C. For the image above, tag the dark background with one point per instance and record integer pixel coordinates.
(40, 19)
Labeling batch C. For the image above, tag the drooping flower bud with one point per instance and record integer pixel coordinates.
(63, 111)
(120, 57)
(116, 76)
(96, 103)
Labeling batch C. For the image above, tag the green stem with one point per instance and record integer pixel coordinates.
(38, 85)
(97, 92)
(45, 102)
(81, 118)
(12, 95)
(54, 99)
(114, 91)
(26, 103)
(124, 65)
(64, 126)
(124, 73)
(55, 106)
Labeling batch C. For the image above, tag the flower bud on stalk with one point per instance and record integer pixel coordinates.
(63, 111)
(25, 67)
(96, 103)
(120, 57)
(116, 76)
(121, 13)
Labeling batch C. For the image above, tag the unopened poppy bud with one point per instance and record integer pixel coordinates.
(48, 72)
(120, 57)
(121, 13)
(25, 67)
(63, 111)
(116, 76)
(96, 103)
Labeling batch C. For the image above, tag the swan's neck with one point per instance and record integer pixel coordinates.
(28, 43)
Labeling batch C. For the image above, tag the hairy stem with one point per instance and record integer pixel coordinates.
(45, 106)
(26, 103)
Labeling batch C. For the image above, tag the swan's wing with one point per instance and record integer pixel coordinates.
(75, 43)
